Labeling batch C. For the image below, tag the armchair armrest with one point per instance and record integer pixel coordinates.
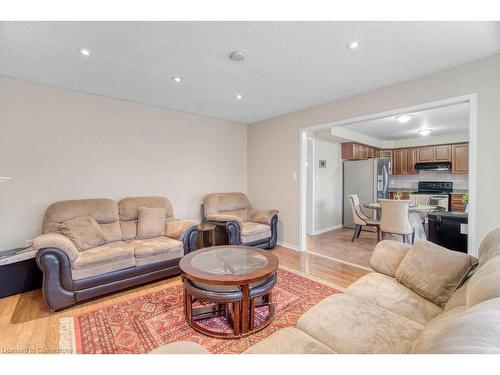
(224, 217)
(261, 216)
(387, 256)
(176, 228)
(57, 241)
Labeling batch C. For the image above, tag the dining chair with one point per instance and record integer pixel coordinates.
(395, 219)
(360, 219)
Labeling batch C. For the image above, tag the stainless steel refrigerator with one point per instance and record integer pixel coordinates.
(369, 179)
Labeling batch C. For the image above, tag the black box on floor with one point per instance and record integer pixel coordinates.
(19, 277)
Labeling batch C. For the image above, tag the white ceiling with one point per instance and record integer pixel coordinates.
(289, 65)
(441, 121)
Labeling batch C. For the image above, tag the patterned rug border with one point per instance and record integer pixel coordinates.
(68, 334)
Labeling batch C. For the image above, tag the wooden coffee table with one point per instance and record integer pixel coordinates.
(230, 282)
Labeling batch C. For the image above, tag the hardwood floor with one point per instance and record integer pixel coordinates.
(26, 325)
(337, 244)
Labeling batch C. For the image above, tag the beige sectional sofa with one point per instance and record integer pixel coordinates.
(420, 299)
(91, 247)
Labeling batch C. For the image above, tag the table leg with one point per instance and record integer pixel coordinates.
(237, 316)
(245, 308)
(252, 315)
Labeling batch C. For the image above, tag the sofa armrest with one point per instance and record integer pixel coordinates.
(261, 216)
(387, 256)
(58, 241)
(176, 228)
(224, 217)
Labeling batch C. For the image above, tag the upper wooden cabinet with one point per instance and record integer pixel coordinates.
(411, 159)
(399, 161)
(356, 151)
(425, 154)
(404, 161)
(460, 158)
(442, 153)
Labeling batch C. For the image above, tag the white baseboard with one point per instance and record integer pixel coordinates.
(288, 245)
(327, 229)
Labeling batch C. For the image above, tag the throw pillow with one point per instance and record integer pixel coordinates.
(84, 232)
(434, 272)
(151, 222)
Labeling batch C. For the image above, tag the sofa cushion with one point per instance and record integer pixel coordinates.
(112, 231)
(386, 292)
(289, 340)
(490, 246)
(463, 331)
(219, 202)
(387, 256)
(151, 222)
(84, 232)
(103, 254)
(348, 324)
(156, 246)
(433, 271)
(129, 207)
(104, 211)
(485, 283)
(250, 231)
(103, 268)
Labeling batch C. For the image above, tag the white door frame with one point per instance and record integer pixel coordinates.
(311, 164)
(470, 98)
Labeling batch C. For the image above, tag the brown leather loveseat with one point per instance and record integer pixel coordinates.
(91, 247)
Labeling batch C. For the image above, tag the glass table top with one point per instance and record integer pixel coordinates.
(229, 261)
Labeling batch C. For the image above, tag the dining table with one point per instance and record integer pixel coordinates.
(414, 215)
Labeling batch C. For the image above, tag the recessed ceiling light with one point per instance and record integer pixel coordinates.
(239, 97)
(84, 51)
(353, 45)
(237, 56)
(424, 132)
(403, 118)
(177, 79)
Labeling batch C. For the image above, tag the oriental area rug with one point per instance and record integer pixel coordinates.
(141, 324)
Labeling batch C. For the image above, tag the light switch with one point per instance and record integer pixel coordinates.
(294, 176)
(464, 229)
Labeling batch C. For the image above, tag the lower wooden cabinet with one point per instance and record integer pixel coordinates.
(457, 202)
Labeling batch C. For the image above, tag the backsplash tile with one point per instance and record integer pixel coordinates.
(460, 181)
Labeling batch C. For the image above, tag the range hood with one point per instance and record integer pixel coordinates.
(441, 166)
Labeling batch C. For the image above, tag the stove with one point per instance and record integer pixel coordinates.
(435, 187)
(438, 193)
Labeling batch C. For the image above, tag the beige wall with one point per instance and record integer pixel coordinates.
(273, 145)
(58, 144)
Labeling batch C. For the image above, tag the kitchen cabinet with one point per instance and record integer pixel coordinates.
(460, 158)
(457, 202)
(442, 153)
(404, 161)
(425, 154)
(411, 159)
(356, 151)
(400, 161)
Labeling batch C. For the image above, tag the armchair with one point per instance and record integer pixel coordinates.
(243, 225)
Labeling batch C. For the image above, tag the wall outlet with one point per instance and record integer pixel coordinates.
(28, 243)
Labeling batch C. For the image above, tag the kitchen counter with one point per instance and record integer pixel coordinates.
(414, 190)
